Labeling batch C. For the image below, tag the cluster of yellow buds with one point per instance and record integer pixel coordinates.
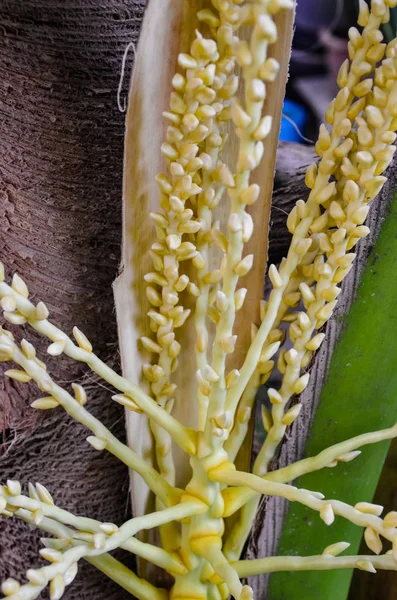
(30, 509)
(198, 105)
(353, 156)
(354, 152)
(209, 99)
(74, 537)
(204, 99)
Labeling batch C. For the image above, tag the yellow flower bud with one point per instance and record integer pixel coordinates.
(373, 540)
(327, 514)
(291, 415)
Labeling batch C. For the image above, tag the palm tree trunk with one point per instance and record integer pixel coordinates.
(61, 157)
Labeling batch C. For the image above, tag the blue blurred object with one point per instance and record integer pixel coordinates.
(313, 15)
(297, 114)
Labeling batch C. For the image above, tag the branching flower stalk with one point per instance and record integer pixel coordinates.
(354, 151)
(355, 165)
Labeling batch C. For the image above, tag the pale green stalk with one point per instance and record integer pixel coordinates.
(305, 497)
(79, 413)
(127, 579)
(259, 566)
(327, 456)
(54, 571)
(261, 374)
(182, 435)
(240, 530)
(116, 540)
(157, 556)
(224, 570)
(204, 213)
(235, 498)
(255, 349)
(200, 318)
(245, 164)
(205, 216)
(57, 571)
(56, 519)
(184, 510)
(56, 528)
(243, 417)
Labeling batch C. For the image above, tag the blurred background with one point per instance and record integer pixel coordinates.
(319, 48)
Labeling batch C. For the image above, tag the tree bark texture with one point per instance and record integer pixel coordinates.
(61, 158)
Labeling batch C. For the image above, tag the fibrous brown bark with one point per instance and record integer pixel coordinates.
(289, 187)
(61, 156)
